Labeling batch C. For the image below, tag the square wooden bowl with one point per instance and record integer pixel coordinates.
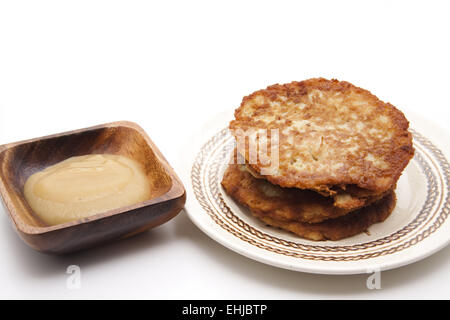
(21, 159)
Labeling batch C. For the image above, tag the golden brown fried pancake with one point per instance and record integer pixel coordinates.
(333, 137)
(338, 228)
(343, 199)
(284, 203)
(290, 208)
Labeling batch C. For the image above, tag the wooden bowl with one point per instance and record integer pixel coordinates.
(21, 159)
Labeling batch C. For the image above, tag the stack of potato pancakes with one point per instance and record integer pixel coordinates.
(320, 158)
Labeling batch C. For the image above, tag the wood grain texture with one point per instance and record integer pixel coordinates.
(21, 159)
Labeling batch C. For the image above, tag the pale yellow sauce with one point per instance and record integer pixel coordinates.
(83, 186)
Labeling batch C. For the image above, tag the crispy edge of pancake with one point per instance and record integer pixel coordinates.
(349, 199)
(368, 183)
(286, 204)
(339, 228)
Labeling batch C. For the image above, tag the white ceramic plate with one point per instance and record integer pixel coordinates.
(418, 226)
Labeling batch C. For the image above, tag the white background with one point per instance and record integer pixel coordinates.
(170, 66)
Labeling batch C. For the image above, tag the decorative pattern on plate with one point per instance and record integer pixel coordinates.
(211, 161)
